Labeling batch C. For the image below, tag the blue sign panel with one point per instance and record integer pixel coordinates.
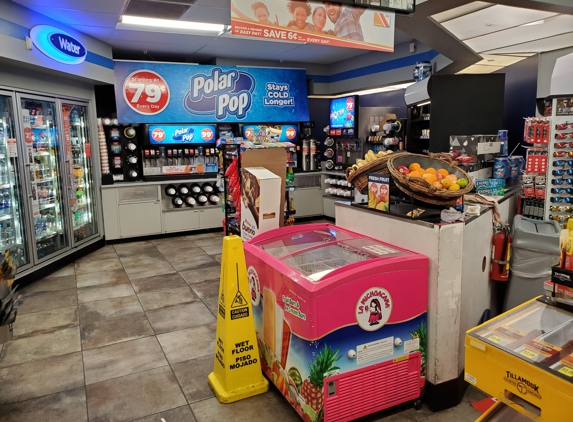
(274, 133)
(181, 134)
(342, 112)
(181, 93)
(57, 44)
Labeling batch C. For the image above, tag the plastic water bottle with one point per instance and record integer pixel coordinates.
(503, 137)
(7, 202)
(9, 234)
(3, 170)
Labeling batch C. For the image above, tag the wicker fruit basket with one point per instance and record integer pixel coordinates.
(419, 188)
(359, 178)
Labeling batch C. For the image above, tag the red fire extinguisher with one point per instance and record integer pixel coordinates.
(500, 254)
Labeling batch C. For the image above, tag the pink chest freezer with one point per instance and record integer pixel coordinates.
(341, 319)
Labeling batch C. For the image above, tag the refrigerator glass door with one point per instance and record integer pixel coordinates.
(78, 157)
(12, 226)
(42, 155)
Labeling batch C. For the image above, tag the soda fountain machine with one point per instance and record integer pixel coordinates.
(343, 147)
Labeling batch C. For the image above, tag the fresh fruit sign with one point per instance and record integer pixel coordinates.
(379, 192)
(182, 93)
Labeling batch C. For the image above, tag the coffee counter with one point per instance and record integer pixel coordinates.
(459, 286)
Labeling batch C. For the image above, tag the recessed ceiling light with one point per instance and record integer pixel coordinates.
(168, 23)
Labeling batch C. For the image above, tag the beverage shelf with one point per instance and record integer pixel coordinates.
(44, 180)
(42, 153)
(5, 186)
(6, 217)
(45, 207)
(46, 236)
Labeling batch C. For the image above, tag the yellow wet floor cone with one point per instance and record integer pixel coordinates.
(237, 374)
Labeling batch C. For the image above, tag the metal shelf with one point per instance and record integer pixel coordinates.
(6, 217)
(45, 207)
(44, 180)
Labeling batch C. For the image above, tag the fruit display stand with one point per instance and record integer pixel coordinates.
(338, 315)
(458, 283)
(524, 359)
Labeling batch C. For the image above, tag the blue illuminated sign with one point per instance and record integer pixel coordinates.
(181, 134)
(154, 92)
(342, 113)
(57, 44)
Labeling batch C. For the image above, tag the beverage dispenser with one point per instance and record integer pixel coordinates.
(308, 148)
(179, 151)
(343, 146)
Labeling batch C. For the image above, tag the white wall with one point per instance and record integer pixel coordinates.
(546, 65)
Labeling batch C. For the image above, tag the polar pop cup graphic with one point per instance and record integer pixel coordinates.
(146, 92)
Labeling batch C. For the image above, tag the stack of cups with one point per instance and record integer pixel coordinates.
(102, 148)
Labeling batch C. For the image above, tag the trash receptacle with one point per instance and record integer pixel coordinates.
(534, 250)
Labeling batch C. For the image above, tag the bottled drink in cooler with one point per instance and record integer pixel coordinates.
(7, 202)
(9, 235)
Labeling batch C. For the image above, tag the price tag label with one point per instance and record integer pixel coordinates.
(495, 339)
(566, 371)
(146, 92)
(529, 354)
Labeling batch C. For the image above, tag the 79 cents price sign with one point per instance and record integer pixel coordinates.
(146, 92)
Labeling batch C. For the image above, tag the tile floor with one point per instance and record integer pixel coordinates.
(127, 334)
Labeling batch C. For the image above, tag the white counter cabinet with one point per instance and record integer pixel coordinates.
(459, 287)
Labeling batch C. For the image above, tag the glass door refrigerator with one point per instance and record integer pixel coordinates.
(78, 169)
(44, 178)
(12, 218)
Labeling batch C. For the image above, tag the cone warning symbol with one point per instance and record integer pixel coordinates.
(239, 301)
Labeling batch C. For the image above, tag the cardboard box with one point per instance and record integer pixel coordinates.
(490, 187)
(379, 192)
(261, 201)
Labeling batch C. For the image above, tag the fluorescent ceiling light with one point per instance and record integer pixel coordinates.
(367, 91)
(540, 22)
(168, 23)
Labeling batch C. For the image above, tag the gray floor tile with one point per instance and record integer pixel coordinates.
(179, 414)
(103, 253)
(218, 258)
(176, 246)
(209, 241)
(213, 249)
(180, 317)
(66, 406)
(50, 284)
(208, 292)
(97, 266)
(134, 248)
(201, 274)
(41, 346)
(115, 330)
(118, 360)
(69, 269)
(192, 376)
(265, 407)
(102, 277)
(134, 396)
(187, 344)
(184, 260)
(169, 297)
(38, 322)
(463, 412)
(473, 395)
(41, 377)
(159, 282)
(209, 235)
(149, 270)
(45, 301)
(107, 291)
(142, 259)
(109, 308)
(164, 240)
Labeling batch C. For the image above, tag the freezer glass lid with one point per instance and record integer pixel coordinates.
(287, 244)
(319, 261)
(538, 333)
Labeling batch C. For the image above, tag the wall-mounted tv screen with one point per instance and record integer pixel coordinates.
(343, 113)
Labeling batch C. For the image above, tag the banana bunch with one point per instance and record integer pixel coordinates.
(368, 158)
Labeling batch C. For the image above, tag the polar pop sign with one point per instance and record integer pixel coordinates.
(58, 45)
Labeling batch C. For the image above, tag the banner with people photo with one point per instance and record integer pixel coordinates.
(313, 22)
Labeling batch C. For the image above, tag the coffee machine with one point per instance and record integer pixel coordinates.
(308, 149)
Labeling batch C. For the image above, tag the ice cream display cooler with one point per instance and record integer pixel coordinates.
(341, 319)
(524, 358)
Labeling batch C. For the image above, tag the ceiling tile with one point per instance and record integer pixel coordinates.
(492, 19)
(460, 11)
(154, 9)
(79, 17)
(539, 46)
(477, 68)
(107, 6)
(94, 31)
(521, 34)
(223, 4)
(208, 14)
(159, 37)
(499, 60)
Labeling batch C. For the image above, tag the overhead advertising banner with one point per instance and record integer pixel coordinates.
(322, 23)
(151, 92)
